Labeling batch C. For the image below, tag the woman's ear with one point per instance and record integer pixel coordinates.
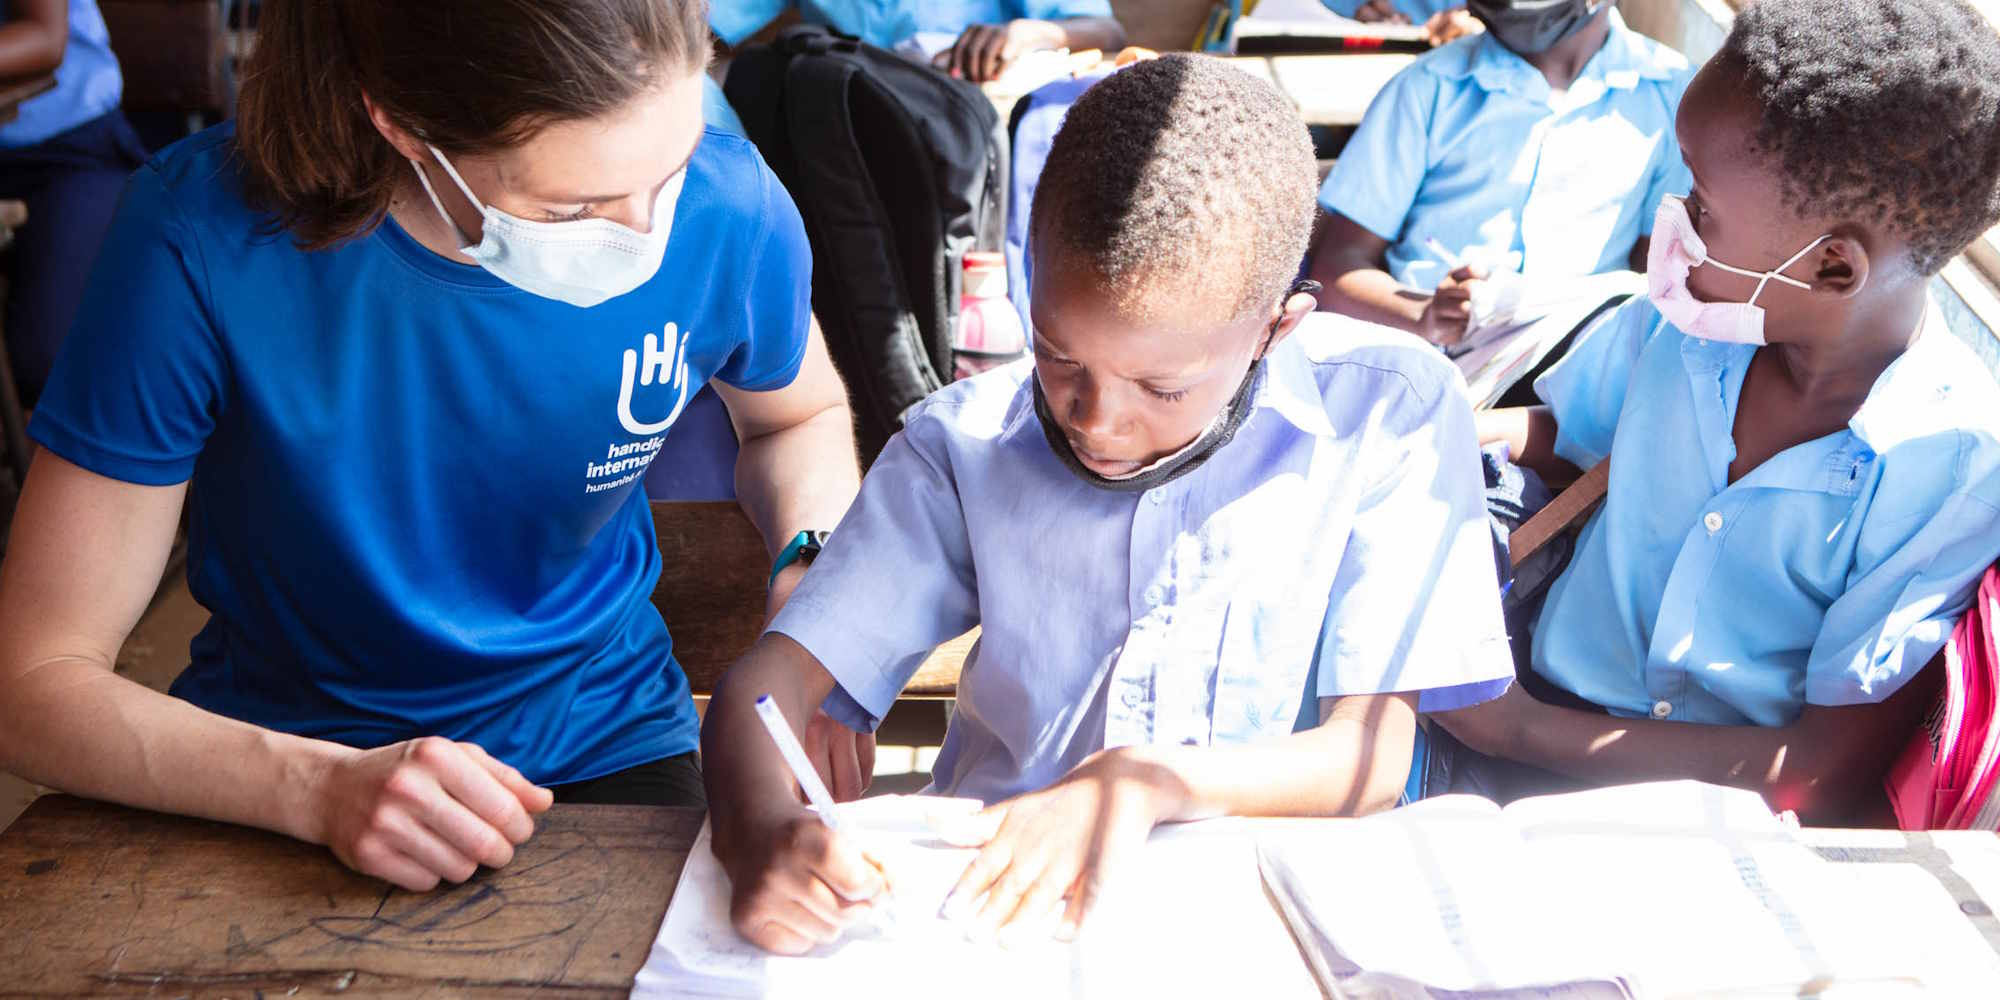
(1840, 267)
(408, 145)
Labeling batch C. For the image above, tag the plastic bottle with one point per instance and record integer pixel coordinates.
(989, 330)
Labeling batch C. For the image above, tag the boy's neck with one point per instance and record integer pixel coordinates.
(1845, 367)
(1565, 60)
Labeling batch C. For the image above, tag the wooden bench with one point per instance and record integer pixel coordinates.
(712, 594)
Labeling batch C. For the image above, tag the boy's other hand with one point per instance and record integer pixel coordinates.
(844, 758)
(1380, 12)
(427, 810)
(1450, 309)
(985, 51)
(1044, 848)
(1447, 26)
(795, 884)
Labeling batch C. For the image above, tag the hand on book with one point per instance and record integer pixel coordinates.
(796, 883)
(1056, 847)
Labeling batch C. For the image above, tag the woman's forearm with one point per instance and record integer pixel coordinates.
(78, 727)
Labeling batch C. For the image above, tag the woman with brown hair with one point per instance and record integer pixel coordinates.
(412, 328)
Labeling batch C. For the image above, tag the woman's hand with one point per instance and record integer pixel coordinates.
(426, 810)
(1059, 844)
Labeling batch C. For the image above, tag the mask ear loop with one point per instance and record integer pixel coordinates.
(452, 172)
(1303, 286)
(1774, 273)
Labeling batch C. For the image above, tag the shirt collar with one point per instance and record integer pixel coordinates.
(1290, 390)
(1908, 396)
(1623, 61)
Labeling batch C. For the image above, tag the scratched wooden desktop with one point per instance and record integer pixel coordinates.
(105, 901)
(102, 900)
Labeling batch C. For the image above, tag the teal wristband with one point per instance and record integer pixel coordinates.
(803, 547)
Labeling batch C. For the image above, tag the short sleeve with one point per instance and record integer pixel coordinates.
(1585, 391)
(1898, 611)
(735, 20)
(1058, 10)
(140, 378)
(1670, 173)
(1377, 177)
(895, 580)
(1415, 605)
(778, 307)
(1345, 8)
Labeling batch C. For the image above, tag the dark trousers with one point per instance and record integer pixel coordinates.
(71, 183)
(670, 781)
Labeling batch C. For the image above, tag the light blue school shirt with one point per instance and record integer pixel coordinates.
(88, 84)
(886, 22)
(415, 506)
(1470, 147)
(1827, 576)
(1418, 11)
(1341, 534)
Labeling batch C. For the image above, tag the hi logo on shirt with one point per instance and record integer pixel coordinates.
(665, 363)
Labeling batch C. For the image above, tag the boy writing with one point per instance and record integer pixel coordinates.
(1194, 498)
(1807, 481)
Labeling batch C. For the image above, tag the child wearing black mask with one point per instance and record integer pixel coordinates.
(1539, 147)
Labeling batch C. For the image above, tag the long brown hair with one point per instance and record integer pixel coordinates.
(468, 76)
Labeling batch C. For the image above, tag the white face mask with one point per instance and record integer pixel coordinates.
(1677, 249)
(582, 262)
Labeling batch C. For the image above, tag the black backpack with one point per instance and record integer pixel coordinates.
(898, 170)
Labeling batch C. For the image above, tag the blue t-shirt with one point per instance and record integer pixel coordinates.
(415, 501)
(88, 84)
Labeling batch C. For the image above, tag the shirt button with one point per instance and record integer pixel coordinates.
(1130, 697)
(1712, 521)
(1153, 595)
(1158, 497)
(1662, 709)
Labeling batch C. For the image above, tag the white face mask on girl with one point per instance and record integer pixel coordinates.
(582, 262)
(1677, 249)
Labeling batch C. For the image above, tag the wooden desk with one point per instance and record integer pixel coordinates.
(98, 899)
(14, 92)
(102, 900)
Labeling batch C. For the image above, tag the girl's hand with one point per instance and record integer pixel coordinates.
(1058, 844)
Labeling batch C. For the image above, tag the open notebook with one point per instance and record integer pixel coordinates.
(1188, 917)
(1658, 890)
(1517, 321)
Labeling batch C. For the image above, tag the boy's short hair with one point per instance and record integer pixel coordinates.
(1180, 173)
(1880, 110)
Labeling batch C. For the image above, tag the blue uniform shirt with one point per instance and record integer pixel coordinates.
(1341, 534)
(415, 501)
(1470, 147)
(1418, 11)
(88, 84)
(1827, 576)
(886, 22)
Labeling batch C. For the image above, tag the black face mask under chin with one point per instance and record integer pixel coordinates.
(1532, 27)
(1167, 469)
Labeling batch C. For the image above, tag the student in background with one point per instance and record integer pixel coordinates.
(1805, 476)
(1443, 20)
(1541, 146)
(991, 33)
(408, 331)
(66, 157)
(1191, 501)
